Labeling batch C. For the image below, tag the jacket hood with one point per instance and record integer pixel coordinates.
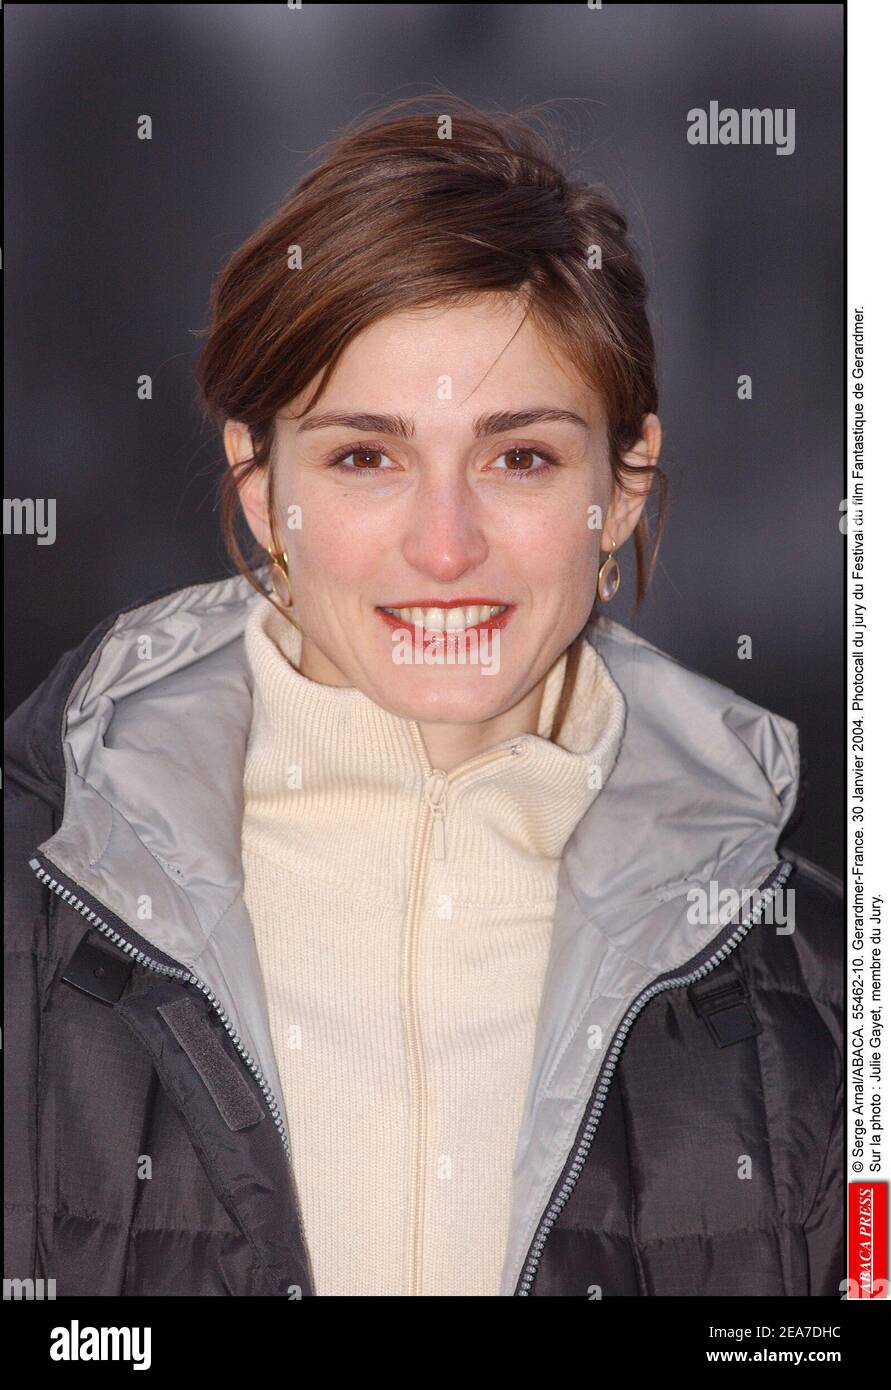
(138, 737)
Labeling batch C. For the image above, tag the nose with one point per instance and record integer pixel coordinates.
(443, 536)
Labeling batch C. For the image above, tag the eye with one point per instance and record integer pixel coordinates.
(520, 462)
(368, 456)
(369, 459)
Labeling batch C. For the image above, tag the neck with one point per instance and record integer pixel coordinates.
(448, 745)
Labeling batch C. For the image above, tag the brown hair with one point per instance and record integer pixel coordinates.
(412, 210)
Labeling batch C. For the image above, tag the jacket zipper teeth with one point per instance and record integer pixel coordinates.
(142, 959)
(768, 890)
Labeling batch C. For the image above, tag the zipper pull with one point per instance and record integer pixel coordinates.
(435, 791)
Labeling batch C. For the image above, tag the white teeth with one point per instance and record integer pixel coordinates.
(447, 619)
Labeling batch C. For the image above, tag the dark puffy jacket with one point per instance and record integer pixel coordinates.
(683, 1128)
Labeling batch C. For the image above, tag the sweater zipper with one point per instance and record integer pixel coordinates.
(766, 891)
(437, 782)
(87, 908)
(436, 785)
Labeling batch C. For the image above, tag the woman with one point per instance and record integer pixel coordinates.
(386, 921)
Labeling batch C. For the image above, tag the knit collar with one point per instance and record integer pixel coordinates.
(333, 751)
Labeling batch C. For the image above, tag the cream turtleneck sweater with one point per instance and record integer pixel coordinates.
(403, 988)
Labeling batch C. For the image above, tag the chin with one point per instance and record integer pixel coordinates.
(460, 702)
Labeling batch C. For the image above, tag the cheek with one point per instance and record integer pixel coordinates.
(558, 539)
(566, 557)
(575, 580)
(338, 544)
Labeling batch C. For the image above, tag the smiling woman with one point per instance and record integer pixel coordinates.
(447, 937)
(444, 260)
(428, 516)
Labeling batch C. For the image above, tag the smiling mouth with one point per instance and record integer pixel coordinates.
(449, 619)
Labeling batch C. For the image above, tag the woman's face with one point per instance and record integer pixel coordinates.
(443, 498)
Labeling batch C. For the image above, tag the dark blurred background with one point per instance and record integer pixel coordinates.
(112, 244)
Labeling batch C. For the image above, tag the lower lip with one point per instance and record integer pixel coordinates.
(455, 635)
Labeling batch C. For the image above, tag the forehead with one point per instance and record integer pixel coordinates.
(453, 362)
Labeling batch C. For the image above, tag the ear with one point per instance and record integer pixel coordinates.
(252, 491)
(625, 507)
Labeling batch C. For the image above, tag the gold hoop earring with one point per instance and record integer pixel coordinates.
(609, 577)
(279, 576)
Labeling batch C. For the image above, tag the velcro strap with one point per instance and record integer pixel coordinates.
(221, 1075)
(722, 1001)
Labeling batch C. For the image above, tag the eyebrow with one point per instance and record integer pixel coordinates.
(498, 422)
